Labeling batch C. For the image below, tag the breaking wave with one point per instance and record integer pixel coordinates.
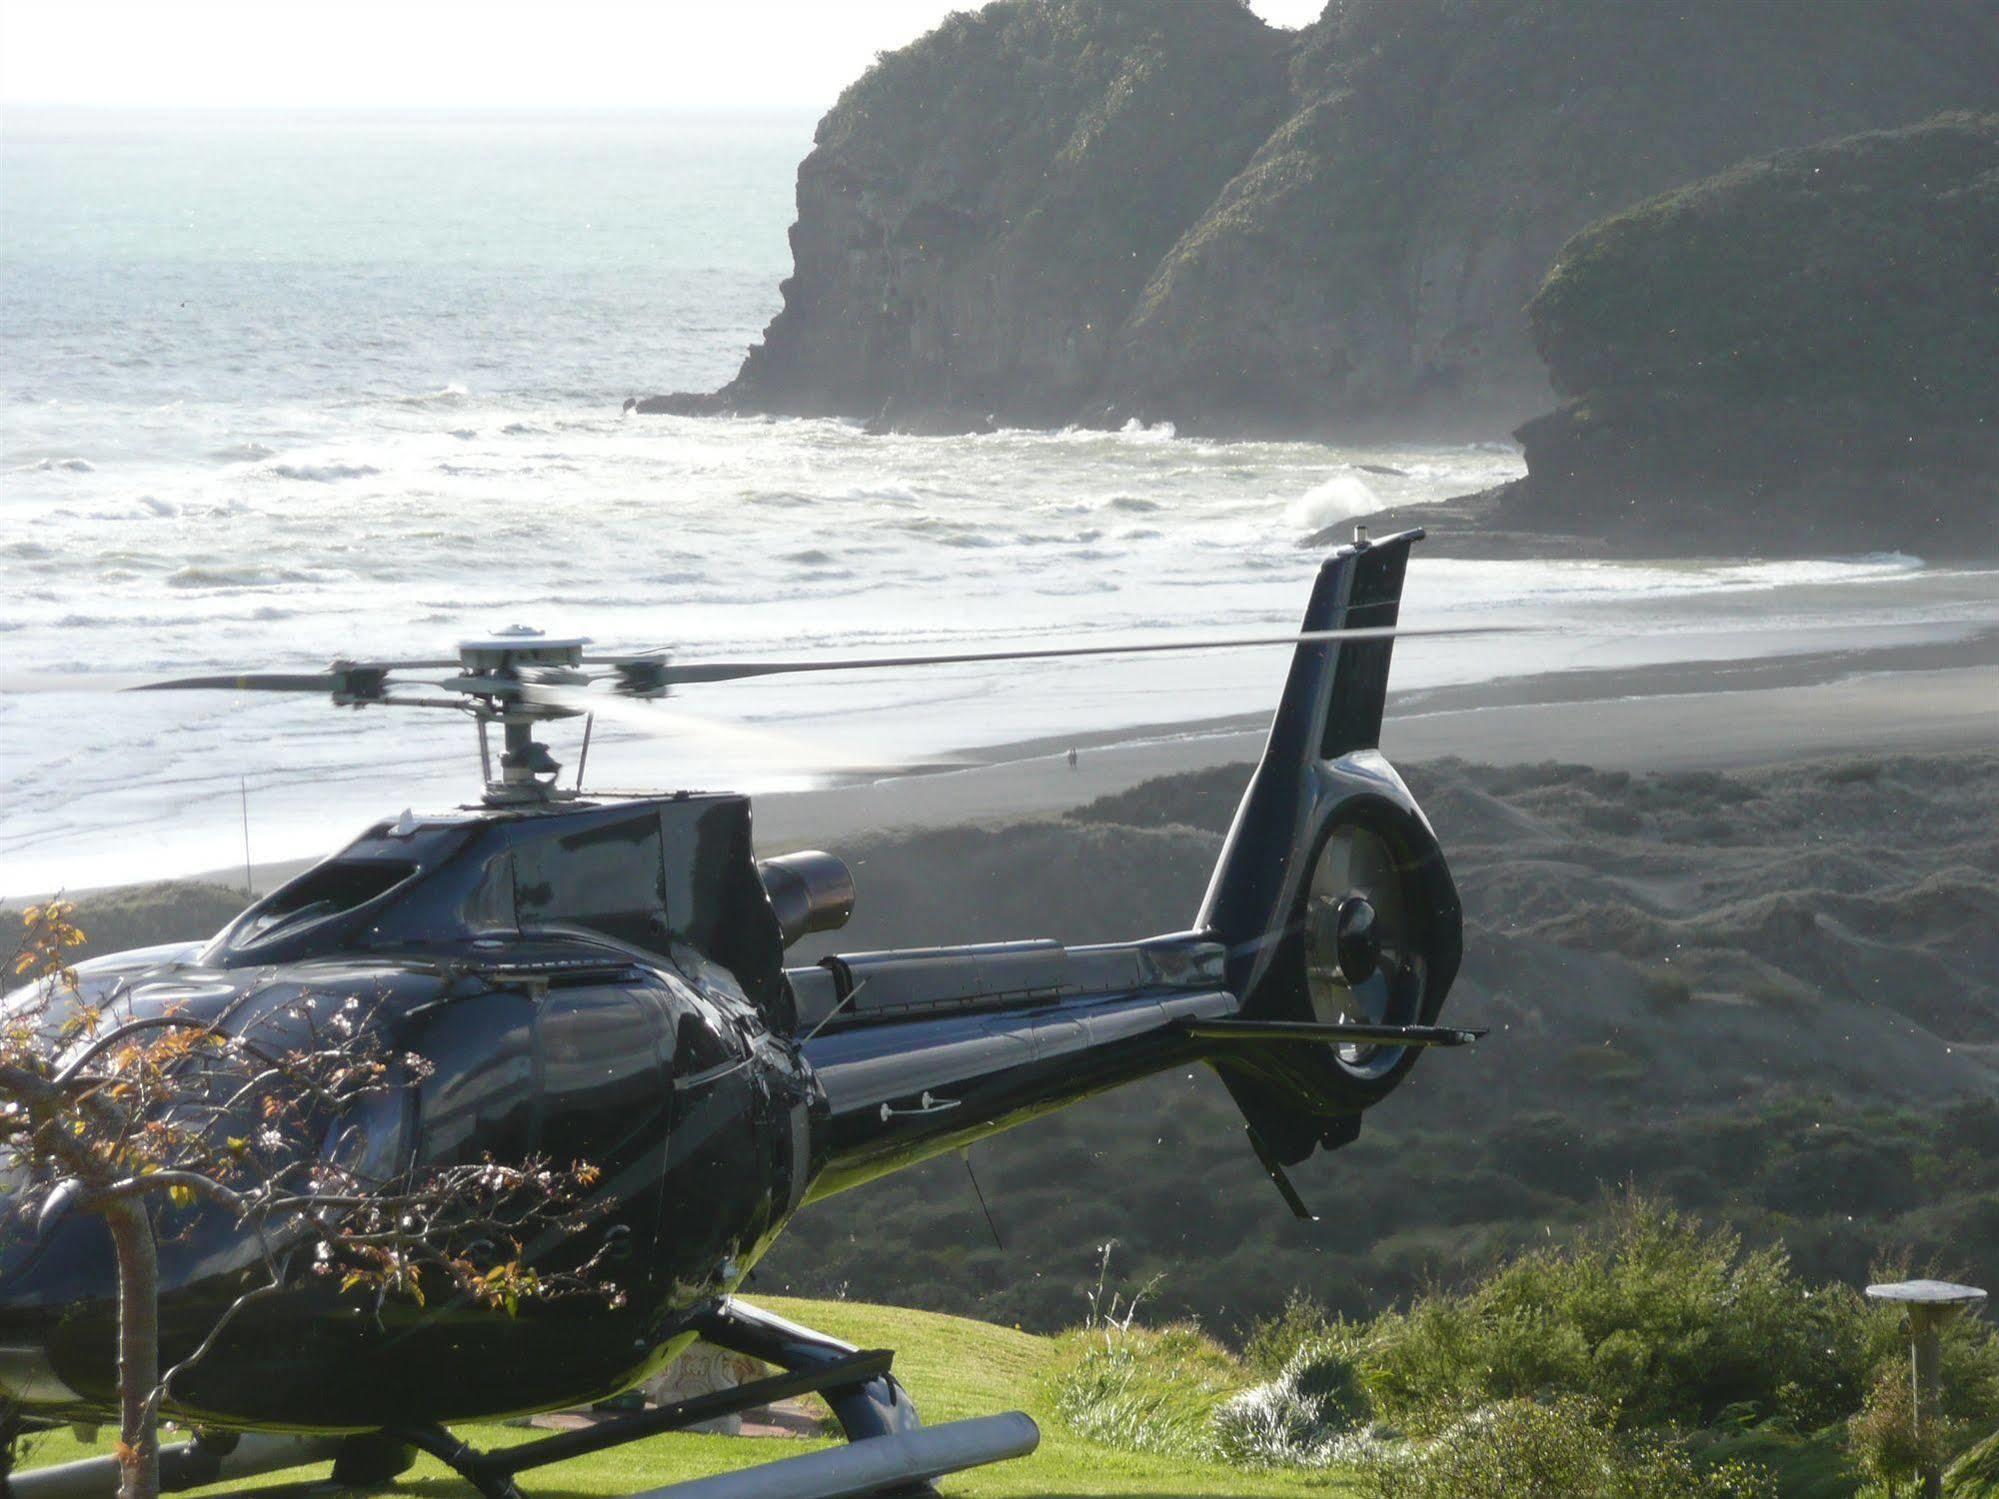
(1329, 502)
(322, 473)
(445, 395)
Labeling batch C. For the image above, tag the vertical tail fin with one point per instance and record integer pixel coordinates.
(1331, 892)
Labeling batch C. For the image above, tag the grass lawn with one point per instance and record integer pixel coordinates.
(952, 1366)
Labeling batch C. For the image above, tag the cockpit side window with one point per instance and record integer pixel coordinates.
(609, 878)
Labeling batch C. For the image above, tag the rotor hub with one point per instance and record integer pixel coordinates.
(499, 675)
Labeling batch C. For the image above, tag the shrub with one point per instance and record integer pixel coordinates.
(1975, 1475)
(1556, 1451)
(1648, 1314)
(1298, 1419)
(1272, 1342)
(1884, 1435)
(1816, 1465)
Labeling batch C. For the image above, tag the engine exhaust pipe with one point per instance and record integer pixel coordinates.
(809, 892)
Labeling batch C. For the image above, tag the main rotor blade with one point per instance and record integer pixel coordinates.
(662, 720)
(359, 678)
(18, 683)
(664, 672)
(253, 681)
(674, 673)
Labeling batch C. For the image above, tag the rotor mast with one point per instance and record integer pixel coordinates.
(497, 677)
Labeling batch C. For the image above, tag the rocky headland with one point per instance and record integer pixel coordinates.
(1798, 354)
(1057, 211)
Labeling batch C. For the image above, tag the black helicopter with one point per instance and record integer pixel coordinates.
(602, 978)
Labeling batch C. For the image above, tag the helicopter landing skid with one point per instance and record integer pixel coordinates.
(889, 1454)
(493, 1473)
(873, 1405)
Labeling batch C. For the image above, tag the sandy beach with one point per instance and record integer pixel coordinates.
(1703, 715)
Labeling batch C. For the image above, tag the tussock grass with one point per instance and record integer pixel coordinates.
(1144, 1390)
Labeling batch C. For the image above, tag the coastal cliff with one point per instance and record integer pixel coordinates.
(1802, 352)
(1054, 211)
(980, 210)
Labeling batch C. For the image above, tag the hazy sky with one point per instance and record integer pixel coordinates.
(695, 54)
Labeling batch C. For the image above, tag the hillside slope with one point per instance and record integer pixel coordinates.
(1771, 995)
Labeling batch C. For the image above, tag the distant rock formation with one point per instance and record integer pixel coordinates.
(982, 210)
(1801, 353)
(1088, 210)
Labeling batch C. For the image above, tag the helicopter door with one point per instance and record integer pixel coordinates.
(478, 1100)
(715, 1181)
(604, 1102)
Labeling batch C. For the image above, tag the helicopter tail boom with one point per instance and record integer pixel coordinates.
(1310, 980)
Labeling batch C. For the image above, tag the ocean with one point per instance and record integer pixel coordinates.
(280, 389)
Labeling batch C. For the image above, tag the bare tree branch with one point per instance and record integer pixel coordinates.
(139, 1117)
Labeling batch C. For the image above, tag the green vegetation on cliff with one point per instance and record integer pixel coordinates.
(1865, 269)
(1805, 346)
(1376, 252)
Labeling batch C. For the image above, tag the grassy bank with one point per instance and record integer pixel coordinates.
(1652, 1358)
(953, 1367)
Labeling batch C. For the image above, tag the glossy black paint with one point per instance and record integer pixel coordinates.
(581, 982)
(604, 981)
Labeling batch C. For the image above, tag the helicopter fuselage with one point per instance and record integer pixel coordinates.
(560, 971)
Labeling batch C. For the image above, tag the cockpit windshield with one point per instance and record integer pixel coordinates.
(331, 889)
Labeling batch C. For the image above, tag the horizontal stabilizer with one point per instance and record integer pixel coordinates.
(1334, 1033)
